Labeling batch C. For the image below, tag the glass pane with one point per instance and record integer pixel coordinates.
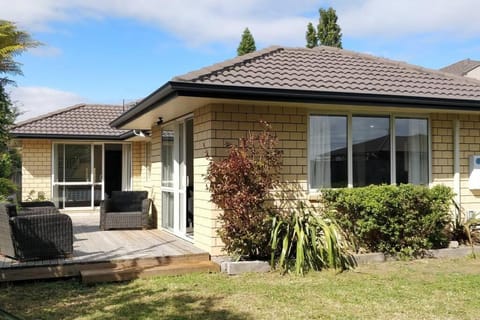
(182, 215)
(167, 209)
(78, 196)
(181, 160)
(97, 163)
(371, 150)
(97, 195)
(127, 167)
(167, 158)
(58, 154)
(411, 143)
(77, 163)
(58, 196)
(328, 151)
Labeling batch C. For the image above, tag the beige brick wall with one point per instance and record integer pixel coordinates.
(442, 148)
(36, 167)
(469, 145)
(220, 124)
(138, 159)
(443, 153)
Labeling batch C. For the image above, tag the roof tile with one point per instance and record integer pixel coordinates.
(79, 120)
(331, 69)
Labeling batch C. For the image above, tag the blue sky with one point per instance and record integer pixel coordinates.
(107, 51)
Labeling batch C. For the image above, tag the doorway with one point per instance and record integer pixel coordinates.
(113, 165)
(177, 178)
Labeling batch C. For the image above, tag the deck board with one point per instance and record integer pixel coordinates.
(104, 248)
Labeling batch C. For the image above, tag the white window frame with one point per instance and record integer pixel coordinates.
(392, 117)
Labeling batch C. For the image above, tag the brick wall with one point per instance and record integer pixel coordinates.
(36, 167)
(469, 145)
(442, 148)
(443, 153)
(138, 159)
(220, 124)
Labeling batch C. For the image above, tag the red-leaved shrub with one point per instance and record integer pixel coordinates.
(240, 185)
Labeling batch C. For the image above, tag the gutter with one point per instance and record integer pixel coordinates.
(174, 89)
(124, 136)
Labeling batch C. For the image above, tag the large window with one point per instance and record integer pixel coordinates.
(361, 150)
(328, 151)
(411, 150)
(371, 150)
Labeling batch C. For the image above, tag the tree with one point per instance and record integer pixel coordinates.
(311, 36)
(328, 31)
(7, 117)
(247, 44)
(12, 43)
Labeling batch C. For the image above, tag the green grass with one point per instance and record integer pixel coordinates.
(422, 289)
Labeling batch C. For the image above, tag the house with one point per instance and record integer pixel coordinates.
(73, 157)
(467, 68)
(344, 119)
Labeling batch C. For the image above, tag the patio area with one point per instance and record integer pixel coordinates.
(113, 255)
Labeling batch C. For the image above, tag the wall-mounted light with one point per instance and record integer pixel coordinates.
(159, 121)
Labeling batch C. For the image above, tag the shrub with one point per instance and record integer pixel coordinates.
(240, 185)
(404, 220)
(7, 187)
(304, 241)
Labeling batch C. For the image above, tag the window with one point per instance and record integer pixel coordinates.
(358, 150)
(328, 151)
(371, 150)
(411, 150)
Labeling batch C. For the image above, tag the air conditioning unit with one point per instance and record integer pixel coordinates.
(474, 179)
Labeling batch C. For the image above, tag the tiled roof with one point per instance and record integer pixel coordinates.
(327, 69)
(79, 120)
(462, 67)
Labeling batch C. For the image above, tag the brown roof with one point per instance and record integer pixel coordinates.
(462, 67)
(327, 69)
(78, 121)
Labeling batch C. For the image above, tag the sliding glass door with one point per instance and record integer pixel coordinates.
(78, 173)
(177, 177)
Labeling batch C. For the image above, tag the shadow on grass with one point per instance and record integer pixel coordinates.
(70, 300)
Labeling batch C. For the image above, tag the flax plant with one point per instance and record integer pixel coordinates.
(305, 241)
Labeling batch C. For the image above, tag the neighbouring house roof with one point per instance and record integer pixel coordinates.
(461, 68)
(319, 75)
(82, 121)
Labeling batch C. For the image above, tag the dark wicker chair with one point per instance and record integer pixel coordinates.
(36, 207)
(125, 210)
(34, 236)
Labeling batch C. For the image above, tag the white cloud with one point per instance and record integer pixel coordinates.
(35, 101)
(409, 17)
(198, 22)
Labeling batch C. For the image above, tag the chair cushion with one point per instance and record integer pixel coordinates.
(122, 201)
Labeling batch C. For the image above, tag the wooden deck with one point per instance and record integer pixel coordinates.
(113, 255)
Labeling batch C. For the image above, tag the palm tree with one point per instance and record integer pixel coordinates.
(12, 43)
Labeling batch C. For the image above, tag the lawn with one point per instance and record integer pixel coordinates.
(421, 289)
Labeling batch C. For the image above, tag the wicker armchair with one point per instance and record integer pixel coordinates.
(125, 210)
(34, 236)
(36, 207)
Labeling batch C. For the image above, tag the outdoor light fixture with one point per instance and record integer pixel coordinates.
(159, 121)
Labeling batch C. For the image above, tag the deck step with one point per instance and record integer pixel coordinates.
(130, 273)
